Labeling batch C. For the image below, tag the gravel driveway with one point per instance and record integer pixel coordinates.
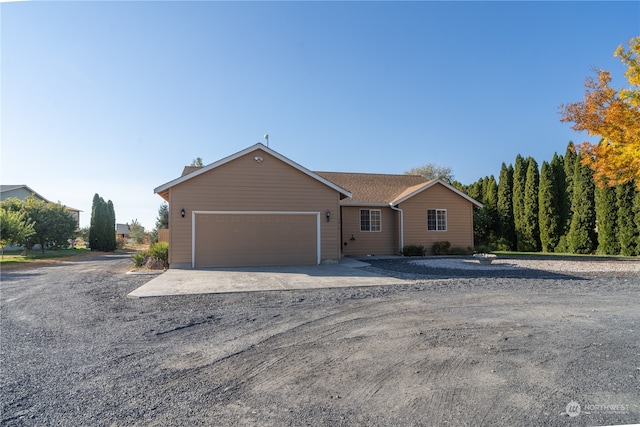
(451, 347)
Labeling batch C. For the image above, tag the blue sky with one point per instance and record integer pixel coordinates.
(116, 97)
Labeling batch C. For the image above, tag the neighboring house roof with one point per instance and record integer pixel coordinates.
(14, 188)
(22, 190)
(123, 229)
(163, 190)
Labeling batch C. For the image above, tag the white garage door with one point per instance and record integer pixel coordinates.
(232, 239)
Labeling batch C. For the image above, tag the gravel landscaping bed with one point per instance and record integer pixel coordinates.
(535, 268)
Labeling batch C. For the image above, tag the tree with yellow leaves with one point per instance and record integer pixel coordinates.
(615, 117)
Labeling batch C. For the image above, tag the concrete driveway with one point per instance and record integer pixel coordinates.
(252, 279)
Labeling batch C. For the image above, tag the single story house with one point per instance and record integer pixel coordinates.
(257, 207)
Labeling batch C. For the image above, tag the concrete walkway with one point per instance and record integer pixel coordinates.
(253, 279)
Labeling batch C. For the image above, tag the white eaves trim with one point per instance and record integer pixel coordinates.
(258, 146)
(431, 184)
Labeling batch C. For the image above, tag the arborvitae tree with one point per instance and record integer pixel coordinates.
(103, 226)
(607, 220)
(570, 157)
(102, 232)
(519, 183)
(491, 192)
(484, 219)
(475, 190)
(505, 207)
(560, 193)
(111, 227)
(550, 217)
(626, 222)
(531, 227)
(636, 210)
(582, 236)
(460, 186)
(93, 227)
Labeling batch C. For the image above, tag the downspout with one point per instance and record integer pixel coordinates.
(401, 225)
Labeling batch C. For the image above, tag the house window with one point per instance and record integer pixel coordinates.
(370, 220)
(437, 219)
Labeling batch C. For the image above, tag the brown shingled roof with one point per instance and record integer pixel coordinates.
(375, 188)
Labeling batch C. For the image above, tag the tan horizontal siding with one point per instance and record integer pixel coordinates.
(246, 185)
(459, 218)
(384, 242)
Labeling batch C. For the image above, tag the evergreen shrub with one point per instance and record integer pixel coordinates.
(441, 248)
(413, 250)
(460, 251)
(156, 255)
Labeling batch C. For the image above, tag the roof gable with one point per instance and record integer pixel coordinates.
(163, 190)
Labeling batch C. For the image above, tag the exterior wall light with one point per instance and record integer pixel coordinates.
(182, 213)
(328, 214)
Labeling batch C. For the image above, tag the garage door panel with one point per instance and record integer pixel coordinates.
(227, 240)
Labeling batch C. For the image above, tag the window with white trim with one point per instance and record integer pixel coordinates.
(370, 220)
(436, 219)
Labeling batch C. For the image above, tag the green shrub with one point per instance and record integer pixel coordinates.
(460, 251)
(155, 257)
(413, 250)
(441, 248)
(483, 249)
(501, 245)
(563, 246)
(160, 251)
(139, 258)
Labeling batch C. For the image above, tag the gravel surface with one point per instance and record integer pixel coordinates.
(454, 346)
(559, 265)
(533, 267)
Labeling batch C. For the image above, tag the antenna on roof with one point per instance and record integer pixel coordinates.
(266, 136)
